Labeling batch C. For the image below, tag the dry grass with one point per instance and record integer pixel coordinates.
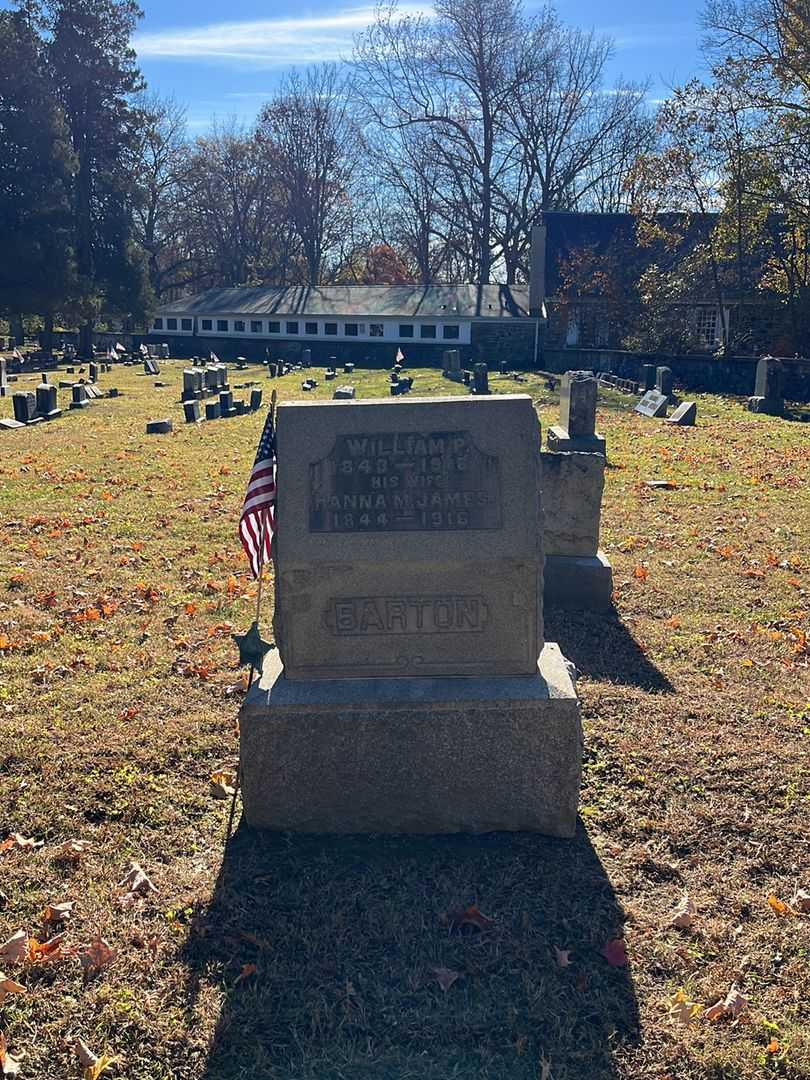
(119, 577)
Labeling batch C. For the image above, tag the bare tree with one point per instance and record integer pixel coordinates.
(316, 148)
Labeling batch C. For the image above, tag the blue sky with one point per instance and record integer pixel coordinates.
(224, 59)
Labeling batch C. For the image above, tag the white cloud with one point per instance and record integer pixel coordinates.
(263, 43)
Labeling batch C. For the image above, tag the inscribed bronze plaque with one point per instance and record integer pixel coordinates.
(405, 481)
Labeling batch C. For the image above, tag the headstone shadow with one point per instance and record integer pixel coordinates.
(603, 648)
(346, 934)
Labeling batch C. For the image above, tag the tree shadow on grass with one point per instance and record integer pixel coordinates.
(603, 648)
(344, 933)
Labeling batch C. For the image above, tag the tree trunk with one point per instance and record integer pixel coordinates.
(47, 334)
(16, 329)
(86, 341)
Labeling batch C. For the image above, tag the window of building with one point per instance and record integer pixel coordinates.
(222, 326)
(427, 331)
(171, 324)
(206, 324)
(330, 328)
(158, 324)
(376, 329)
(292, 327)
(239, 326)
(310, 328)
(450, 332)
(186, 324)
(707, 322)
(405, 330)
(274, 328)
(255, 326)
(350, 329)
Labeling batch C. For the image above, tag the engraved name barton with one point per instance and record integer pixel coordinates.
(357, 615)
(402, 481)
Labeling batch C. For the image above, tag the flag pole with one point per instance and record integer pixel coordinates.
(251, 676)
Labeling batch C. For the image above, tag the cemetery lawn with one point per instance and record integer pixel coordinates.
(121, 580)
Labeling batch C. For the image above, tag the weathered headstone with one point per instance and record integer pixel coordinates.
(159, 427)
(578, 576)
(685, 415)
(25, 407)
(3, 376)
(348, 368)
(93, 372)
(308, 384)
(191, 412)
(330, 374)
(193, 383)
(79, 396)
(480, 383)
(113, 392)
(306, 358)
(576, 430)
(343, 393)
(768, 393)
(226, 405)
(648, 376)
(451, 365)
(653, 404)
(46, 401)
(240, 407)
(402, 386)
(212, 410)
(7, 424)
(256, 399)
(663, 381)
(164, 351)
(406, 694)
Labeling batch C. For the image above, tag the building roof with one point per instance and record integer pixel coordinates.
(396, 301)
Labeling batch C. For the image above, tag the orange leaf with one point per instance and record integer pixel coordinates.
(190, 609)
(777, 905)
(470, 916)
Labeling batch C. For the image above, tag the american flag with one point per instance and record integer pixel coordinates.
(258, 517)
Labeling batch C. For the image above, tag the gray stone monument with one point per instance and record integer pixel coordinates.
(46, 401)
(768, 393)
(653, 404)
(212, 411)
(191, 412)
(663, 382)
(480, 382)
(79, 396)
(451, 365)
(685, 415)
(648, 376)
(3, 376)
(412, 690)
(576, 430)
(578, 576)
(25, 407)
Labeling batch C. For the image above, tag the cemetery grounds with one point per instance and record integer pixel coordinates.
(121, 581)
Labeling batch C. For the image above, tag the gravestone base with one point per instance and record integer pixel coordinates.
(769, 406)
(578, 582)
(559, 440)
(428, 755)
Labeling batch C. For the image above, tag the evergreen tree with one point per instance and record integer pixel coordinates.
(95, 75)
(37, 272)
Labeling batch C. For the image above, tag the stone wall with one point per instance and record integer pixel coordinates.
(703, 373)
(510, 342)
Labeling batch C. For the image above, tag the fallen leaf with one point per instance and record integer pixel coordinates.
(245, 973)
(23, 842)
(15, 950)
(801, 901)
(663, 485)
(445, 977)
(681, 1009)
(615, 952)
(222, 785)
(714, 1012)
(640, 572)
(561, 956)
(95, 956)
(73, 850)
(777, 905)
(47, 952)
(9, 1066)
(683, 915)
(772, 1047)
(469, 916)
(58, 913)
(136, 884)
(9, 986)
(735, 1003)
(93, 1066)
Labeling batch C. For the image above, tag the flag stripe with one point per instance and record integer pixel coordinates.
(258, 508)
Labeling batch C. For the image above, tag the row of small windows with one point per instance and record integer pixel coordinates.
(427, 331)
